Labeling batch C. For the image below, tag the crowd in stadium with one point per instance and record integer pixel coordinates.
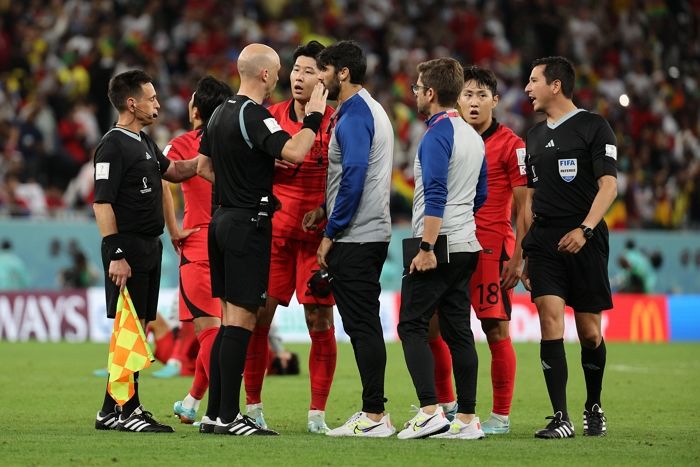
(637, 65)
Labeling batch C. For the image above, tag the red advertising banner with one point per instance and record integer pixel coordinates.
(44, 316)
(634, 318)
(638, 318)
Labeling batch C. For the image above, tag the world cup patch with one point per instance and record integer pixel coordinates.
(611, 151)
(272, 125)
(102, 171)
(568, 169)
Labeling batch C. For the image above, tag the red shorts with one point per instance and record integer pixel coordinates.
(488, 298)
(195, 292)
(291, 266)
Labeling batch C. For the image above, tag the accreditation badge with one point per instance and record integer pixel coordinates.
(568, 169)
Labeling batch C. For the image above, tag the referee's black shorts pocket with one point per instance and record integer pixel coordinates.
(237, 235)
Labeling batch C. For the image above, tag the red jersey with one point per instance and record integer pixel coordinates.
(303, 188)
(505, 164)
(197, 194)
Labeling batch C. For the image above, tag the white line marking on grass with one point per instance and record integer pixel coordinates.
(646, 370)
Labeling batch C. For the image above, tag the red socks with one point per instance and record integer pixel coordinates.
(502, 375)
(186, 338)
(164, 347)
(443, 370)
(322, 359)
(200, 383)
(256, 364)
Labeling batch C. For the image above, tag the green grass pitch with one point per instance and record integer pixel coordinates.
(49, 399)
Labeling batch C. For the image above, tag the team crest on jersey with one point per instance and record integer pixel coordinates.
(568, 169)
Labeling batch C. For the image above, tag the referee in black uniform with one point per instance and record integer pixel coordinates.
(571, 169)
(242, 142)
(129, 214)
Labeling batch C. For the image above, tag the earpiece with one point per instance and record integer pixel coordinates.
(134, 108)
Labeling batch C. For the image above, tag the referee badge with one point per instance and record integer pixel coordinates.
(568, 169)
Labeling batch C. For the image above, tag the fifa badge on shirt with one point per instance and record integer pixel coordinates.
(272, 125)
(568, 169)
(611, 151)
(102, 171)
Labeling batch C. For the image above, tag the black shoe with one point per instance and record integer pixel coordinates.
(242, 425)
(206, 425)
(142, 421)
(557, 428)
(594, 422)
(107, 421)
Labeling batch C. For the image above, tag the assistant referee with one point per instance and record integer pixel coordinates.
(129, 214)
(571, 169)
(242, 142)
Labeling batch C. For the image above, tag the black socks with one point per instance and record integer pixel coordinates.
(234, 348)
(556, 373)
(215, 377)
(593, 363)
(109, 403)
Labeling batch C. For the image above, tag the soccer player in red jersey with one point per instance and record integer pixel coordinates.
(299, 188)
(501, 261)
(196, 302)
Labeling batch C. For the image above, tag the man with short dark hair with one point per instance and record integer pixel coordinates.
(450, 174)
(242, 142)
(571, 169)
(500, 262)
(356, 237)
(196, 304)
(299, 187)
(129, 213)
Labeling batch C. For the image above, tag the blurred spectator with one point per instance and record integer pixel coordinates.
(80, 274)
(639, 270)
(22, 199)
(14, 274)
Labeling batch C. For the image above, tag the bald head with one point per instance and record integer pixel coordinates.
(255, 58)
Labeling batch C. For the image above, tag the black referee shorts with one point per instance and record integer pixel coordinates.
(144, 257)
(239, 257)
(581, 279)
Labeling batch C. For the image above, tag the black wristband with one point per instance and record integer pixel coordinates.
(312, 121)
(587, 231)
(114, 247)
(425, 246)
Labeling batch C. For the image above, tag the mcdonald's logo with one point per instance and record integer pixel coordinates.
(647, 322)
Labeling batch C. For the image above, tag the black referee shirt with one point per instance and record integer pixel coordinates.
(565, 161)
(128, 169)
(243, 139)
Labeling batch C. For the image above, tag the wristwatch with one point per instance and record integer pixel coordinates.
(425, 246)
(587, 231)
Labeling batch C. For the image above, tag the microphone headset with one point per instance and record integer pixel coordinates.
(135, 108)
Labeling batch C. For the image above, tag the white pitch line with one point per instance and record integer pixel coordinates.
(646, 370)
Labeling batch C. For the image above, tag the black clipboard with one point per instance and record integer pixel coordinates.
(412, 245)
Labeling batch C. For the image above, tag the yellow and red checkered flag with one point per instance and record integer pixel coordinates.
(128, 350)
